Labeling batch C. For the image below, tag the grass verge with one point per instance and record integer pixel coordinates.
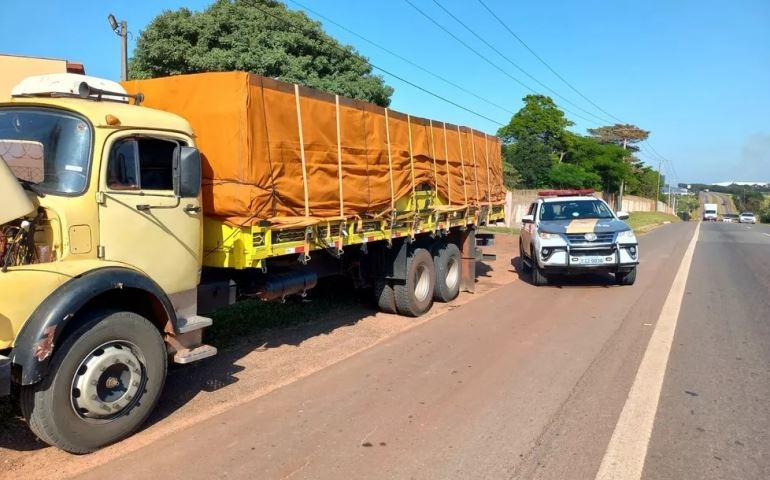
(640, 221)
(502, 230)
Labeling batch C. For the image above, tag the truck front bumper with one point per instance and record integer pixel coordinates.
(5, 376)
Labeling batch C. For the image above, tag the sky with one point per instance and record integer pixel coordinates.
(695, 73)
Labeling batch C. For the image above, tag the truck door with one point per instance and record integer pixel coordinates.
(142, 222)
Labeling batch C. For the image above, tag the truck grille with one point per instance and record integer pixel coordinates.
(580, 238)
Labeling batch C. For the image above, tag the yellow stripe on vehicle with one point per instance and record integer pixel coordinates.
(582, 225)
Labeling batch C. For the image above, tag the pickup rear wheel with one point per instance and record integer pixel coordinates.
(448, 266)
(414, 296)
(104, 381)
(525, 267)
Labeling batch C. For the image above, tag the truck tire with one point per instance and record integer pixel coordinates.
(104, 381)
(384, 296)
(448, 266)
(538, 277)
(414, 296)
(525, 267)
(626, 278)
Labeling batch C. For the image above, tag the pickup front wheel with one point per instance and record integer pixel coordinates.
(104, 381)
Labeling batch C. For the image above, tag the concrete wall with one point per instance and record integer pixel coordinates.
(517, 203)
(15, 68)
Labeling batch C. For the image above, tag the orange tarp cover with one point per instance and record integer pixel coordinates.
(273, 149)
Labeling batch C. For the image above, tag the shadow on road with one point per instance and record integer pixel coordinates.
(594, 279)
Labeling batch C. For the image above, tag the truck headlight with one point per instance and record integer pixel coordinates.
(547, 236)
(626, 235)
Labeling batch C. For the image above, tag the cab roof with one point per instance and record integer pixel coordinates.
(97, 111)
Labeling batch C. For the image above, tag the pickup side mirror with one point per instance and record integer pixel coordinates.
(527, 219)
(622, 215)
(187, 172)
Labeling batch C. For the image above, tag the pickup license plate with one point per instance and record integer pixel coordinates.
(591, 260)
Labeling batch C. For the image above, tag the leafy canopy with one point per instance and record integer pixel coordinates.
(238, 35)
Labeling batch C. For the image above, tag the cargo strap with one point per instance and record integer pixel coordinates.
(486, 162)
(462, 165)
(302, 150)
(390, 163)
(475, 171)
(448, 181)
(411, 162)
(339, 156)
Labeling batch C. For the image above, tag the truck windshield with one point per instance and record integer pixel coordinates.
(570, 210)
(48, 148)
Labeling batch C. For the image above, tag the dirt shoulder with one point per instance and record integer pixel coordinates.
(282, 346)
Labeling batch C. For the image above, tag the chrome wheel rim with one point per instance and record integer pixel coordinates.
(453, 273)
(421, 283)
(108, 381)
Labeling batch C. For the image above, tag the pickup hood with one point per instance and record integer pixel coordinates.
(14, 202)
(584, 225)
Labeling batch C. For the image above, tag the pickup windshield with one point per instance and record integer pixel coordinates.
(572, 209)
(47, 148)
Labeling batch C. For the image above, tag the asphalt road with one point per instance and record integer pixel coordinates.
(524, 382)
(713, 420)
(724, 202)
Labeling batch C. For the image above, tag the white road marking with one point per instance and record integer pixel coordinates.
(766, 234)
(627, 450)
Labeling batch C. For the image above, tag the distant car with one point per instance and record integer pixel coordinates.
(747, 217)
(727, 219)
(571, 232)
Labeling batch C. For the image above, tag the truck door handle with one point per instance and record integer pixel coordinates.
(192, 209)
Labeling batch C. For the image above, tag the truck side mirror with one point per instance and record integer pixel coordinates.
(528, 219)
(187, 172)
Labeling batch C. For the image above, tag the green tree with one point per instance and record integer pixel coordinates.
(531, 159)
(239, 35)
(603, 159)
(568, 175)
(623, 135)
(534, 139)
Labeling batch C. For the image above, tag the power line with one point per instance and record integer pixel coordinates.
(402, 58)
(486, 59)
(547, 65)
(347, 52)
(506, 58)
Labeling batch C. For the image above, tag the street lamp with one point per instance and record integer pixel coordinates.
(121, 30)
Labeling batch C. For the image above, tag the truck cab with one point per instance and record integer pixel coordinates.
(100, 262)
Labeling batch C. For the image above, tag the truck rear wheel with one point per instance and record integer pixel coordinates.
(384, 296)
(415, 295)
(448, 266)
(104, 381)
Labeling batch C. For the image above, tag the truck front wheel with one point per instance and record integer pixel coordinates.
(103, 382)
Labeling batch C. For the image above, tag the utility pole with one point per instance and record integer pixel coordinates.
(622, 182)
(121, 30)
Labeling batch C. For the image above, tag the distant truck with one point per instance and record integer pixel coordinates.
(122, 225)
(709, 212)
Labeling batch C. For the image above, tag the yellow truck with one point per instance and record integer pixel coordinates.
(122, 225)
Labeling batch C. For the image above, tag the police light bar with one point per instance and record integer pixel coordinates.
(566, 193)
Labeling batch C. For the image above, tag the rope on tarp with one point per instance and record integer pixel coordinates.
(475, 171)
(411, 161)
(448, 177)
(486, 161)
(302, 150)
(462, 165)
(390, 163)
(433, 154)
(339, 156)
